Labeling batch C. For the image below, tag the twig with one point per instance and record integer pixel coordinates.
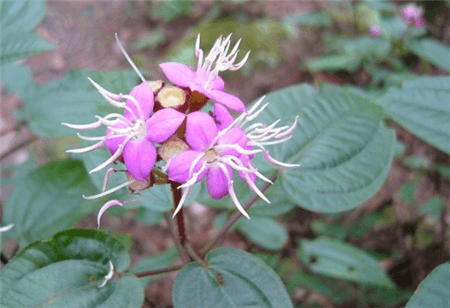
(184, 257)
(3, 259)
(236, 216)
(160, 271)
(18, 147)
(12, 129)
(194, 255)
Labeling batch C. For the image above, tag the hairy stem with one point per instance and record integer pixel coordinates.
(160, 271)
(183, 255)
(236, 216)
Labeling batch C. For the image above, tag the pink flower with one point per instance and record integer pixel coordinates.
(217, 146)
(206, 79)
(132, 135)
(375, 30)
(412, 12)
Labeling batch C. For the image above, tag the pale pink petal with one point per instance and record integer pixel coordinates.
(217, 182)
(200, 130)
(218, 84)
(113, 143)
(234, 136)
(222, 116)
(163, 124)
(180, 165)
(139, 157)
(143, 93)
(178, 73)
(230, 101)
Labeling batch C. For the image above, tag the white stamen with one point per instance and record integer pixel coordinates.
(88, 149)
(83, 126)
(108, 276)
(114, 156)
(106, 179)
(252, 185)
(129, 59)
(231, 190)
(110, 191)
(290, 130)
(237, 148)
(137, 105)
(101, 89)
(6, 228)
(272, 160)
(183, 199)
(90, 138)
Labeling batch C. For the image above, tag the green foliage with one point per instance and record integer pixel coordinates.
(265, 232)
(343, 149)
(67, 271)
(17, 19)
(310, 19)
(431, 50)
(432, 209)
(339, 260)
(433, 291)
(72, 99)
(422, 106)
(233, 278)
(48, 200)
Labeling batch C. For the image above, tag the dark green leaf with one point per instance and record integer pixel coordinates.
(431, 50)
(326, 229)
(233, 278)
(433, 292)
(343, 149)
(336, 259)
(67, 272)
(265, 232)
(22, 15)
(18, 45)
(407, 193)
(422, 106)
(48, 200)
(334, 63)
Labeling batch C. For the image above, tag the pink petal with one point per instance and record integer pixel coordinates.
(217, 183)
(179, 166)
(143, 93)
(230, 101)
(113, 143)
(218, 84)
(233, 136)
(222, 116)
(178, 73)
(139, 157)
(200, 130)
(163, 124)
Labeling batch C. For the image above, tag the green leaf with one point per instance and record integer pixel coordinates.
(48, 200)
(431, 50)
(422, 106)
(327, 229)
(170, 10)
(67, 272)
(433, 292)
(433, 208)
(417, 162)
(336, 259)
(311, 19)
(18, 45)
(148, 217)
(22, 15)
(265, 232)
(334, 63)
(340, 143)
(407, 193)
(72, 99)
(246, 282)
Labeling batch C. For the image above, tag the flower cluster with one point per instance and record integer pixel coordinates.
(164, 122)
(413, 15)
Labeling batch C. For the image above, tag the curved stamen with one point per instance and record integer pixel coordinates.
(290, 130)
(236, 147)
(110, 191)
(129, 59)
(90, 138)
(272, 160)
(83, 126)
(137, 105)
(231, 190)
(110, 273)
(101, 89)
(192, 180)
(255, 188)
(120, 104)
(89, 148)
(182, 200)
(114, 156)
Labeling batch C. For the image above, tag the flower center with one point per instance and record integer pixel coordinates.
(211, 155)
(140, 129)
